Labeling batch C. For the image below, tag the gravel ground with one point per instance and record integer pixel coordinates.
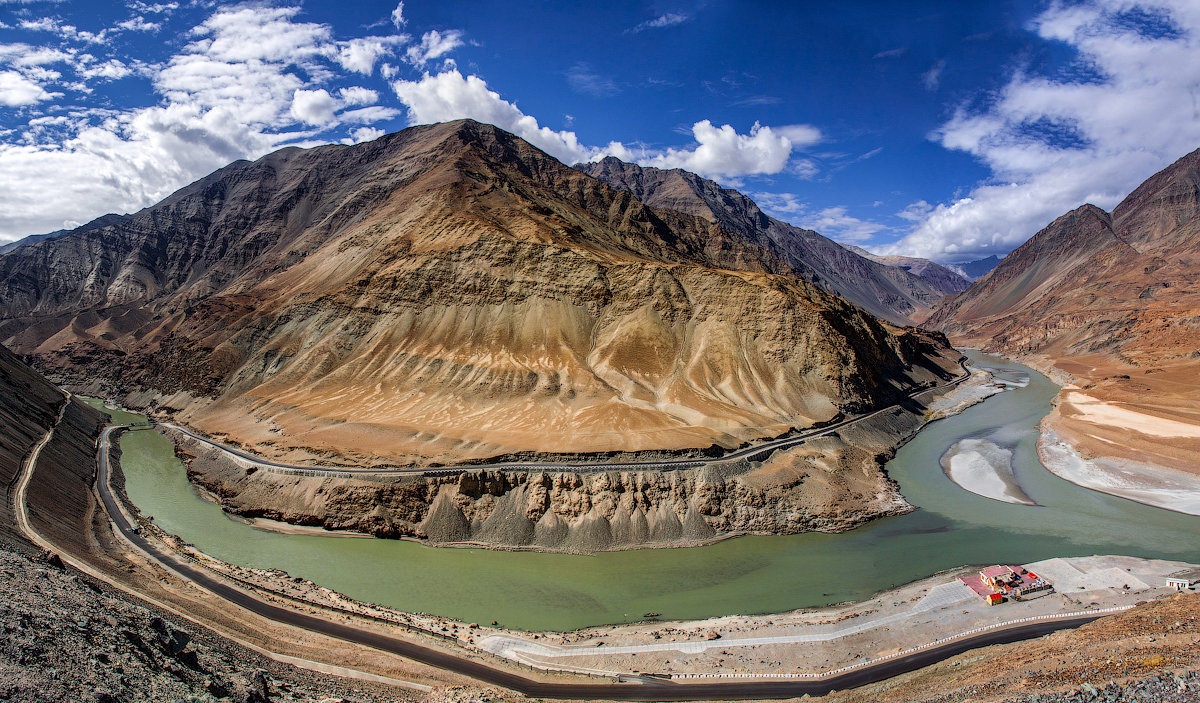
(64, 639)
(1166, 688)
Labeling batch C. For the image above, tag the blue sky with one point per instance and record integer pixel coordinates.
(951, 130)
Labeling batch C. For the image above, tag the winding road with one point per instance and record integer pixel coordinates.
(754, 451)
(643, 688)
(630, 688)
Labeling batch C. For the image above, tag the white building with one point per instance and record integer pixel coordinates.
(1183, 580)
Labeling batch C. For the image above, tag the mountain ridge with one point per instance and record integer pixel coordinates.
(888, 292)
(473, 276)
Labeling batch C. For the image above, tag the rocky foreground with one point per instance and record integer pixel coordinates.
(66, 639)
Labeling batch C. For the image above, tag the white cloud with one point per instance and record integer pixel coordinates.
(66, 31)
(361, 55)
(1054, 143)
(669, 19)
(251, 79)
(165, 7)
(398, 15)
(433, 44)
(313, 107)
(721, 151)
(17, 90)
(932, 79)
(369, 115)
(363, 134)
(718, 152)
(139, 24)
(583, 79)
(781, 205)
(833, 222)
(357, 95)
(111, 69)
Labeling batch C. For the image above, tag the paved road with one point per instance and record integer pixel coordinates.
(752, 451)
(644, 689)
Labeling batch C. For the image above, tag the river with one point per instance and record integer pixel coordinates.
(536, 591)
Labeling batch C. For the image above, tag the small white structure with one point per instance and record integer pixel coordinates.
(1183, 580)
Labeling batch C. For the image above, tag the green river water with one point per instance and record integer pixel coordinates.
(746, 575)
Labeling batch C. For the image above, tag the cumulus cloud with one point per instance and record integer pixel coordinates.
(313, 107)
(1053, 143)
(433, 44)
(361, 55)
(357, 95)
(139, 24)
(721, 151)
(363, 134)
(250, 80)
(718, 151)
(17, 90)
(398, 16)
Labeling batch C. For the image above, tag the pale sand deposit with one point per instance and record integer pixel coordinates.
(1151, 485)
(982, 385)
(1094, 410)
(984, 468)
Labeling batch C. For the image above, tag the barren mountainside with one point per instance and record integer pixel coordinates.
(1120, 284)
(884, 290)
(448, 291)
(944, 280)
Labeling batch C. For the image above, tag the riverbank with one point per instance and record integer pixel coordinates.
(803, 641)
(1128, 431)
(823, 480)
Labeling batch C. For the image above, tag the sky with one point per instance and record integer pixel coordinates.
(946, 130)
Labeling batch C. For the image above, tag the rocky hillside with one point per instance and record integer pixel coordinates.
(446, 292)
(1146, 654)
(1121, 283)
(66, 639)
(886, 291)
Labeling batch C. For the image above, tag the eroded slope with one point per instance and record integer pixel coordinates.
(446, 292)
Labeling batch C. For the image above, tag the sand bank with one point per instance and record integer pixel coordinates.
(984, 468)
(1151, 485)
(1090, 409)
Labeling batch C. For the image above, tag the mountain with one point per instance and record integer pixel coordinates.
(102, 221)
(889, 292)
(1109, 304)
(973, 270)
(448, 292)
(944, 280)
(1118, 283)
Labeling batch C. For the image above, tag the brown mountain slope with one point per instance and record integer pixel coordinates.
(886, 291)
(1111, 299)
(448, 291)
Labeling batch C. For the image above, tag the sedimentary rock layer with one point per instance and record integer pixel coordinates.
(445, 293)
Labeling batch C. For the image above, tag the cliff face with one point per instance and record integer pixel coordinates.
(830, 484)
(882, 289)
(445, 292)
(1120, 284)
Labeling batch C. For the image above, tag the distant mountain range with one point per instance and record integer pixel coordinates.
(102, 221)
(973, 270)
(450, 291)
(889, 291)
